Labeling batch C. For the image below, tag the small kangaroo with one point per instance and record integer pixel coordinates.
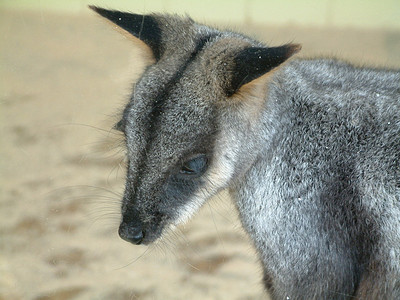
(309, 150)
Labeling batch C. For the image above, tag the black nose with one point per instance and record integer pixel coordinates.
(131, 233)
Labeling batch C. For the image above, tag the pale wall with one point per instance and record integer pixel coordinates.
(331, 13)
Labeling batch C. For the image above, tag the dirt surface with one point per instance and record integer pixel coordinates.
(64, 80)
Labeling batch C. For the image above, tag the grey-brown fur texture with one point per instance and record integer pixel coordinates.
(309, 150)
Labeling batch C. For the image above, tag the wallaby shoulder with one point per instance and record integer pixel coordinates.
(328, 92)
(328, 111)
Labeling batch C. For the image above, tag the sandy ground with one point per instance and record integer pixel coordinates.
(64, 78)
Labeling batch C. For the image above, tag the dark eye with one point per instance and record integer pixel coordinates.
(195, 166)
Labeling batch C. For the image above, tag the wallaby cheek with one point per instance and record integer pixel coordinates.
(214, 180)
(224, 161)
(180, 197)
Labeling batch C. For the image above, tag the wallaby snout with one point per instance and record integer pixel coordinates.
(131, 232)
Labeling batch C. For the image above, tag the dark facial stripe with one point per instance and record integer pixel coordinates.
(164, 94)
(158, 105)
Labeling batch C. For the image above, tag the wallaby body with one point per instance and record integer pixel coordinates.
(309, 150)
(322, 199)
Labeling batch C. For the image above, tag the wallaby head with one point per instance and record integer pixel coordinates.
(191, 122)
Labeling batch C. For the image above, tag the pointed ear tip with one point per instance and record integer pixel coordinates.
(96, 9)
(294, 48)
(101, 11)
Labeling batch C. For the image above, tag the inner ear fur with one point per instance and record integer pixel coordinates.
(252, 63)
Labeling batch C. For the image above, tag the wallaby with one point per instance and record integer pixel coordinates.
(309, 150)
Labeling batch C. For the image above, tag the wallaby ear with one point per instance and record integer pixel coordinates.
(253, 62)
(143, 27)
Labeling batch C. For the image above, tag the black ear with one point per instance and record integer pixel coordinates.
(253, 62)
(143, 27)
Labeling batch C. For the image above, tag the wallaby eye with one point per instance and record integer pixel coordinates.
(195, 166)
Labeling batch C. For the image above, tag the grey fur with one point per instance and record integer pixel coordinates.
(310, 153)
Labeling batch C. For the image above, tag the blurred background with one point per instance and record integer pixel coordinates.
(65, 75)
(337, 13)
